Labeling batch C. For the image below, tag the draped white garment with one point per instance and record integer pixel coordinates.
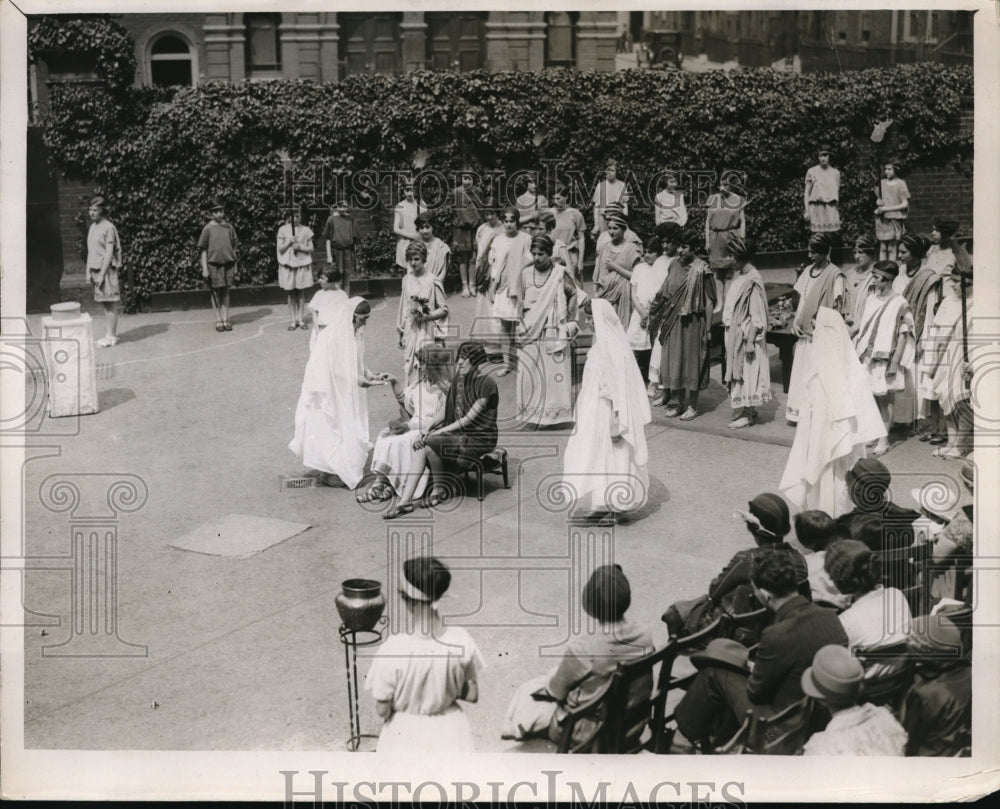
(610, 474)
(331, 418)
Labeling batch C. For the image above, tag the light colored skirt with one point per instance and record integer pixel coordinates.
(544, 385)
(393, 457)
(447, 732)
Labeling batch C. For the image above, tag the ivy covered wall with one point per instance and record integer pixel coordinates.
(159, 155)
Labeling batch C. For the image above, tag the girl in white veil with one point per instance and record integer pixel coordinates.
(331, 418)
(605, 459)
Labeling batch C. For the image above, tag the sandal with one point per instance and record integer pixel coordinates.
(436, 497)
(689, 414)
(220, 326)
(293, 327)
(937, 440)
(740, 423)
(671, 412)
(376, 493)
(398, 511)
(228, 326)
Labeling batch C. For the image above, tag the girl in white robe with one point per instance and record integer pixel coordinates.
(605, 460)
(331, 418)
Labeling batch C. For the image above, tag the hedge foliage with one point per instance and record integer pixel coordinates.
(160, 155)
(93, 36)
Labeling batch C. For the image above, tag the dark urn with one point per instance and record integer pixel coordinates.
(361, 604)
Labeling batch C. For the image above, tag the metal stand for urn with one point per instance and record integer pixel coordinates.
(359, 596)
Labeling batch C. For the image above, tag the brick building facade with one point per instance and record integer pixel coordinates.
(812, 41)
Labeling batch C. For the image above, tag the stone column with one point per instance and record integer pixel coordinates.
(329, 48)
(596, 41)
(414, 32)
(515, 40)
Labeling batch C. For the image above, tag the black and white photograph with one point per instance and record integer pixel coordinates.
(426, 402)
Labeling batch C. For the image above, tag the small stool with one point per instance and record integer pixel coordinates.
(494, 462)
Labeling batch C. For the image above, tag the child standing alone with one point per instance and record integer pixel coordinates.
(104, 257)
(342, 233)
(219, 248)
(295, 244)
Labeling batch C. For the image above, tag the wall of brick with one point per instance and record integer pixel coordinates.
(943, 191)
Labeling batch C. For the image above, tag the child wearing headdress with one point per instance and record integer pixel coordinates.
(422, 670)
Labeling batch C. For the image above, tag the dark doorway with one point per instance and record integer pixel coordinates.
(370, 43)
(43, 239)
(455, 40)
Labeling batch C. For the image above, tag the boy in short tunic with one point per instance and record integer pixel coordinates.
(219, 248)
(104, 257)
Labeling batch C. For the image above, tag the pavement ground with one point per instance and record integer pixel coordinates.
(243, 654)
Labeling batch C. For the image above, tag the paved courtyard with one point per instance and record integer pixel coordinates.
(243, 654)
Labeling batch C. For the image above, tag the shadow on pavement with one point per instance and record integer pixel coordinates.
(108, 399)
(142, 332)
(250, 317)
(658, 495)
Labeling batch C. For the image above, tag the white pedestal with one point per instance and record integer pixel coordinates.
(69, 363)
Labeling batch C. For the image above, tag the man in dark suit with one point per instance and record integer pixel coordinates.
(714, 706)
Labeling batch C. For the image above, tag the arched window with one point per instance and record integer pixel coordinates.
(263, 43)
(560, 38)
(170, 62)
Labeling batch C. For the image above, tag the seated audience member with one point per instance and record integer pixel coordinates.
(540, 705)
(868, 483)
(878, 616)
(937, 710)
(952, 549)
(767, 520)
(815, 530)
(835, 679)
(713, 707)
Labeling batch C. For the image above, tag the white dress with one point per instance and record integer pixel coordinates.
(610, 475)
(423, 677)
(508, 256)
(646, 282)
(393, 454)
(331, 417)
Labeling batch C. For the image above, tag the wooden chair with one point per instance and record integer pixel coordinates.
(494, 463)
(662, 725)
(619, 715)
(793, 727)
(745, 627)
(594, 711)
(889, 674)
(910, 567)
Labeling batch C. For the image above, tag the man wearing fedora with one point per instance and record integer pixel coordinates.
(868, 485)
(937, 710)
(716, 702)
(835, 678)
